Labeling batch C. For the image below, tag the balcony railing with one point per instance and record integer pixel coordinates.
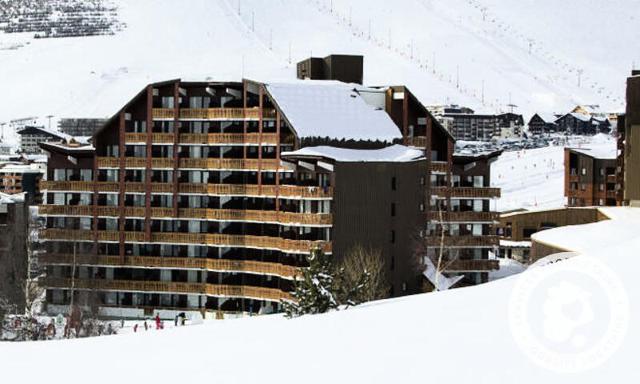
(418, 141)
(82, 186)
(204, 138)
(463, 241)
(239, 291)
(163, 113)
(192, 213)
(158, 138)
(466, 192)
(228, 138)
(248, 241)
(225, 113)
(211, 189)
(471, 265)
(209, 163)
(214, 265)
(469, 216)
(440, 166)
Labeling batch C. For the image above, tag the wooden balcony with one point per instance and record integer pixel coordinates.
(418, 141)
(78, 186)
(239, 291)
(214, 265)
(248, 241)
(225, 114)
(469, 216)
(440, 167)
(163, 113)
(464, 241)
(158, 138)
(228, 138)
(211, 189)
(466, 192)
(192, 213)
(232, 164)
(472, 265)
(245, 241)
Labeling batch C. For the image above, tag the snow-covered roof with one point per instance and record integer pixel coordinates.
(580, 116)
(623, 225)
(609, 152)
(394, 153)
(332, 109)
(548, 118)
(10, 199)
(51, 132)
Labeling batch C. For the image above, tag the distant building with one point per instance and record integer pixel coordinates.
(31, 137)
(580, 124)
(80, 127)
(18, 177)
(5, 149)
(14, 219)
(345, 68)
(510, 124)
(542, 123)
(472, 127)
(590, 177)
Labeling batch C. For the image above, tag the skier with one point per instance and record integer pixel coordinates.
(157, 321)
(135, 328)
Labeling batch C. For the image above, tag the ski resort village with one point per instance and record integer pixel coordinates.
(319, 191)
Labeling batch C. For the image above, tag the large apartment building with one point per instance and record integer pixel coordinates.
(207, 196)
(473, 127)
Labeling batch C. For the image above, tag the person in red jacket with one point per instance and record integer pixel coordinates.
(157, 321)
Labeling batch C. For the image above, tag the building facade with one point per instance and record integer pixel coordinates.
(80, 127)
(473, 127)
(542, 124)
(591, 177)
(200, 197)
(18, 177)
(628, 144)
(14, 219)
(31, 137)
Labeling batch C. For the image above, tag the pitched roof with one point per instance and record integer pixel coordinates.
(332, 109)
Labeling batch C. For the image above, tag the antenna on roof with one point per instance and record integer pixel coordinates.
(511, 107)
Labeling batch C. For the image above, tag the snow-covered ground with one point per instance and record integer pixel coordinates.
(534, 178)
(481, 53)
(461, 336)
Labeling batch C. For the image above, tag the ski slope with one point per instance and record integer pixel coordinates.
(465, 335)
(534, 178)
(481, 53)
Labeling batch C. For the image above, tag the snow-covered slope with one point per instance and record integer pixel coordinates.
(534, 178)
(462, 51)
(466, 335)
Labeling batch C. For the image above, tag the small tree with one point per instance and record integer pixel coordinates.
(360, 276)
(314, 289)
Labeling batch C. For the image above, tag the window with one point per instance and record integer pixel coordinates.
(393, 237)
(478, 181)
(393, 183)
(584, 171)
(393, 209)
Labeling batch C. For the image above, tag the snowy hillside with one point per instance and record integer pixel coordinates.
(534, 178)
(462, 51)
(465, 335)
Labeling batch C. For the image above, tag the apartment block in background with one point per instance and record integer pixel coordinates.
(591, 177)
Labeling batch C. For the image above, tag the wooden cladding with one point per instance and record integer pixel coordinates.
(466, 192)
(463, 241)
(440, 167)
(204, 138)
(248, 241)
(195, 188)
(195, 163)
(213, 113)
(218, 290)
(192, 213)
(471, 265)
(214, 265)
(464, 216)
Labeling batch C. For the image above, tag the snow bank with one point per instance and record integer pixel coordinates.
(394, 153)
